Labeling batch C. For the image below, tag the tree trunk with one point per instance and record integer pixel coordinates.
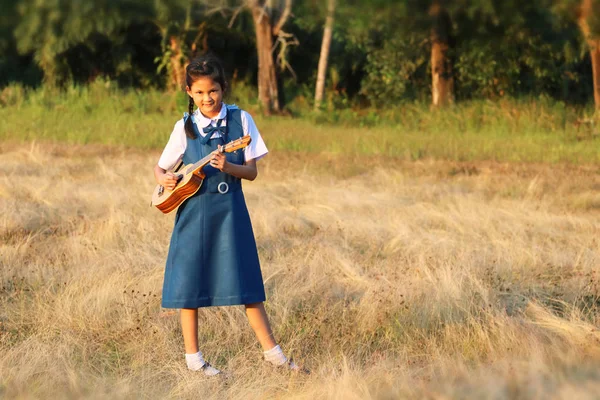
(442, 81)
(202, 37)
(585, 12)
(595, 56)
(268, 93)
(176, 81)
(48, 66)
(324, 57)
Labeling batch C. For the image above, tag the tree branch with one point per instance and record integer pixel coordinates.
(284, 17)
(213, 8)
(234, 16)
(284, 40)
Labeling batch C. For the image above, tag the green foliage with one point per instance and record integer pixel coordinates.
(12, 66)
(176, 20)
(51, 29)
(594, 19)
(570, 10)
(380, 51)
(7, 24)
(129, 41)
(497, 48)
(396, 71)
(514, 49)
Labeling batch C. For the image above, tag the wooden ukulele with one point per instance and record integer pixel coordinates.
(190, 179)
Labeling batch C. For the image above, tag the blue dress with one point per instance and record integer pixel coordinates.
(212, 258)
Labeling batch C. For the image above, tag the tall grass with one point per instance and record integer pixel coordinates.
(422, 281)
(531, 130)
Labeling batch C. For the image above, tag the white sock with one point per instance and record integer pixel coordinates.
(275, 356)
(196, 362)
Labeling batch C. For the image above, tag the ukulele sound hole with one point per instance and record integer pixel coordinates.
(161, 190)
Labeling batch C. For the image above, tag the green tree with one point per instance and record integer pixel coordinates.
(491, 48)
(184, 29)
(77, 40)
(12, 66)
(51, 29)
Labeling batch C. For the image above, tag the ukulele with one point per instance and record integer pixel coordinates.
(190, 178)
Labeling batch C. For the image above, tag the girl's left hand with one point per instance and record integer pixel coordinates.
(218, 161)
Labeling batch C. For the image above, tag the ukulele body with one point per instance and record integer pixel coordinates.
(192, 177)
(168, 200)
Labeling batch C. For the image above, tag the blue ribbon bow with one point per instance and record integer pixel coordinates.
(210, 130)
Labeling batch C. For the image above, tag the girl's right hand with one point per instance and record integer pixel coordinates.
(168, 180)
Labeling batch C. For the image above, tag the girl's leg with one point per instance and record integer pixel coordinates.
(189, 327)
(193, 356)
(257, 316)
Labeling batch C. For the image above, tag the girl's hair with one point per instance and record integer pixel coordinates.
(207, 66)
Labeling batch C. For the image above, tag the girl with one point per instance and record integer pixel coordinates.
(212, 257)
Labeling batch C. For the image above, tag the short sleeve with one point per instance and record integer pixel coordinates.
(175, 147)
(257, 148)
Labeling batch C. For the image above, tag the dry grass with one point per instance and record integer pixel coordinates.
(387, 279)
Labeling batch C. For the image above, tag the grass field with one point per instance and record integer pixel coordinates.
(528, 130)
(388, 277)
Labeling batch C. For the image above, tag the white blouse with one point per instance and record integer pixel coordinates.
(177, 142)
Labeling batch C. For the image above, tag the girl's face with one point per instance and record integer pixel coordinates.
(207, 95)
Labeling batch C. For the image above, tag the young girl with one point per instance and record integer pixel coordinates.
(212, 257)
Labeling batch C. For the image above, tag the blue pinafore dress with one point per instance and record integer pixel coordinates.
(212, 258)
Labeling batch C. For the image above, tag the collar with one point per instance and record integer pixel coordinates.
(203, 121)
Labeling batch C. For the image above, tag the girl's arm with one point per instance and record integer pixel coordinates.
(246, 171)
(164, 178)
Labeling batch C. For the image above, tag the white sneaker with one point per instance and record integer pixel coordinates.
(209, 370)
(290, 365)
(195, 362)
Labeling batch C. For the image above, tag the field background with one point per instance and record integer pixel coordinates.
(430, 228)
(402, 258)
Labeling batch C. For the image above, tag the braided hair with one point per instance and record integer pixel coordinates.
(207, 66)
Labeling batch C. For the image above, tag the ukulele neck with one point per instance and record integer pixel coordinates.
(198, 165)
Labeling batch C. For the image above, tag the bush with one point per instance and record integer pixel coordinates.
(12, 95)
(396, 71)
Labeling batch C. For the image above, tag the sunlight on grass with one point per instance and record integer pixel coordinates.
(425, 279)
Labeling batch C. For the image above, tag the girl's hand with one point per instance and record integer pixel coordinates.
(168, 180)
(219, 161)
